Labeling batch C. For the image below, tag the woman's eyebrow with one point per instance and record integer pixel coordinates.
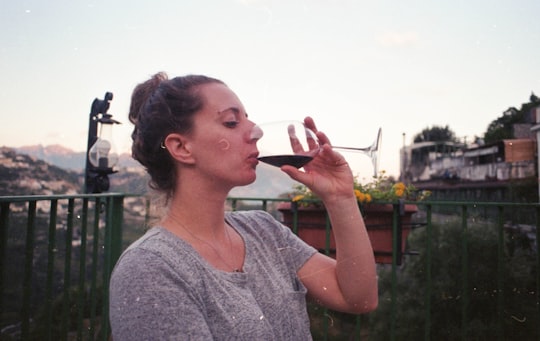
(233, 109)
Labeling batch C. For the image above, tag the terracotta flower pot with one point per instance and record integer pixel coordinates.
(311, 227)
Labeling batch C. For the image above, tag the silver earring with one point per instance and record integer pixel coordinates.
(163, 146)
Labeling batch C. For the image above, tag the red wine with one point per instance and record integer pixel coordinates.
(280, 160)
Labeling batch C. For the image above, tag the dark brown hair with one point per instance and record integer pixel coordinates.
(161, 106)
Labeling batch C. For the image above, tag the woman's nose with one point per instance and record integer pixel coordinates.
(255, 134)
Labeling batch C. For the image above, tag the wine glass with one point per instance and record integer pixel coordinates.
(285, 143)
(292, 143)
(373, 151)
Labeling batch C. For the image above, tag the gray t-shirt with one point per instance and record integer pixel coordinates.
(162, 289)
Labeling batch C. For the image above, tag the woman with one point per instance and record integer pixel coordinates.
(203, 274)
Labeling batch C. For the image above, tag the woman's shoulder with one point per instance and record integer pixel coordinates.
(254, 219)
(157, 250)
(258, 224)
(158, 241)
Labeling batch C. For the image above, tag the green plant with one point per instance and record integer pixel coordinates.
(449, 290)
(382, 188)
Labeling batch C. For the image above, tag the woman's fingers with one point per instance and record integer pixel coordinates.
(295, 142)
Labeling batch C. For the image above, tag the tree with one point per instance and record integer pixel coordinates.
(502, 127)
(435, 134)
(517, 270)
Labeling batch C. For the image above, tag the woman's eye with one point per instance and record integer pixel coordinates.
(231, 124)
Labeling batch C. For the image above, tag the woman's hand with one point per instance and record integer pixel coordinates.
(349, 282)
(328, 175)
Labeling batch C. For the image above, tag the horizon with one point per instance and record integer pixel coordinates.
(354, 66)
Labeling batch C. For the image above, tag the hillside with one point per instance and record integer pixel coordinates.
(271, 183)
(60, 172)
(22, 174)
(66, 158)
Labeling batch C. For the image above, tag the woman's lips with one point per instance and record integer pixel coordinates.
(252, 158)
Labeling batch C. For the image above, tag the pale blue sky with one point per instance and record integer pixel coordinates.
(353, 65)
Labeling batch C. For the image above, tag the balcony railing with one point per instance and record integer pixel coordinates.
(474, 266)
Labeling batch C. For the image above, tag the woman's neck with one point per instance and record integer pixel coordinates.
(203, 211)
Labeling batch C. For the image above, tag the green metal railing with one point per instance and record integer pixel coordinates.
(57, 253)
(68, 244)
(503, 220)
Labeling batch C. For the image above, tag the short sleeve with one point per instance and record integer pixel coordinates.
(150, 301)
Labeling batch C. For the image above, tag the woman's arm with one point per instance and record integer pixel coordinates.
(348, 283)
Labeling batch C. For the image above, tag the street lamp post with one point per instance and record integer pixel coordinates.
(536, 129)
(101, 156)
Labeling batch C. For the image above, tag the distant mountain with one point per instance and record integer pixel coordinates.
(271, 183)
(58, 170)
(57, 155)
(68, 159)
(23, 174)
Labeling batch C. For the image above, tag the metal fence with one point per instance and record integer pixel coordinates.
(56, 255)
(470, 270)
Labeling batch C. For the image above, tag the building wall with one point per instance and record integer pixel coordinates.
(505, 160)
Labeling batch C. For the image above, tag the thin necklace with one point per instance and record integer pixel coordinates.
(234, 269)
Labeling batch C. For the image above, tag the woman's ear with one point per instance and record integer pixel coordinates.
(179, 148)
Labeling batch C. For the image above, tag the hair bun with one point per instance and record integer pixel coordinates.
(142, 93)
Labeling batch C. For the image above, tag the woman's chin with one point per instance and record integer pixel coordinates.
(248, 180)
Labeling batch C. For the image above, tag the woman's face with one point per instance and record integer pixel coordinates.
(221, 144)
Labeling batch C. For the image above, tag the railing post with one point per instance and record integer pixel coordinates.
(67, 269)
(28, 269)
(428, 291)
(82, 269)
(500, 271)
(94, 269)
(294, 209)
(4, 223)
(538, 262)
(399, 232)
(116, 236)
(465, 278)
(328, 235)
(395, 246)
(107, 265)
(51, 252)
(113, 249)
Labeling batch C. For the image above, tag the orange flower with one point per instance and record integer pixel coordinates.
(400, 186)
(298, 197)
(381, 189)
(368, 197)
(399, 189)
(359, 195)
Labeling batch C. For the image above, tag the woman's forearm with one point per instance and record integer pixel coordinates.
(355, 261)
